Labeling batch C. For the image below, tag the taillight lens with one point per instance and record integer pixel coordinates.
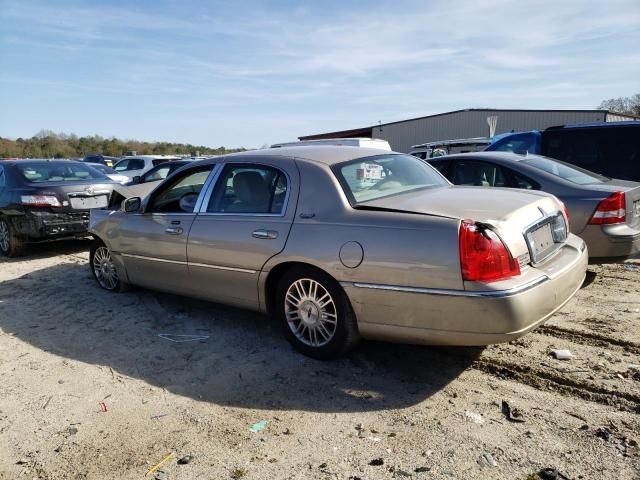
(483, 256)
(40, 200)
(610, 210)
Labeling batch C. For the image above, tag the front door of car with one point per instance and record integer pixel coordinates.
(153, 243)
(244, 220)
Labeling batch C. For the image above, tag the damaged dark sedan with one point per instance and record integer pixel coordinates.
(43, 200)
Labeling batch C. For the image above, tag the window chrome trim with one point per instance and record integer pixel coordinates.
(448, 292)
(205, 192)
(178, 262)
(202, 207)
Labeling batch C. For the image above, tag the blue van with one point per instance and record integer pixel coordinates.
(609, 148)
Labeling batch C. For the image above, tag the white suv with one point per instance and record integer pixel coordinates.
(139, 164)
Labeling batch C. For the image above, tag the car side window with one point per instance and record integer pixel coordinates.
(520, 181)
(249, 189)
(181, 194)
(441, 166)
(2, 180)
(157, 174)
(135, 164)
(121, 166)
(480, 174)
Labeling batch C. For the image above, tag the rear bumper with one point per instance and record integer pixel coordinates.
(42, 225)
(468, 317)
(611, 242)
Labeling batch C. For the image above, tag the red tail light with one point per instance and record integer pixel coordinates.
(40, 200)
(483, 256)
(610, 210)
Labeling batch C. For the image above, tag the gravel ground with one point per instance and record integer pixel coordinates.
(90, 391)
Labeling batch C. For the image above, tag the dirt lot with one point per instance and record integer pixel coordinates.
(69, 351)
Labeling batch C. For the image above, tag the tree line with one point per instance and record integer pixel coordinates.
(629, 105)
(48, 144)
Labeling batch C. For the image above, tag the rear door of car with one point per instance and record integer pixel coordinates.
(244, 220)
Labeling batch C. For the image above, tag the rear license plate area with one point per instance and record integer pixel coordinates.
(540, 241)
(636, 208)
(86, 203)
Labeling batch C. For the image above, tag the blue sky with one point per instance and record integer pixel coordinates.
(251, 73)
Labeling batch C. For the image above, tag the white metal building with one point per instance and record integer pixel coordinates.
(472, 122)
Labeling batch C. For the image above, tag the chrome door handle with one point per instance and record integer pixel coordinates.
(265, 234)
(174, 230)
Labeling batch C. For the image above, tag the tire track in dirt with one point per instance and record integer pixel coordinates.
(588, 338)
(549, 380)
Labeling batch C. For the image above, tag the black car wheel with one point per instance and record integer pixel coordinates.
(103, 268)
(315, 314)
(10, 244)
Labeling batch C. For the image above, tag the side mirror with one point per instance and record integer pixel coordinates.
(136, 180)
(132, 204)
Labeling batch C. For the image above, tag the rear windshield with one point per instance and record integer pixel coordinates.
(565, 171)
(372, 178)
(42, 172)
(158, 161)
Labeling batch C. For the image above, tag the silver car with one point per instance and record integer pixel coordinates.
(604, 212)
(339, 243)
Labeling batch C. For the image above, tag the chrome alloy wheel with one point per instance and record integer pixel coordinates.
(104, 269)
(311, 312)
(5, 236)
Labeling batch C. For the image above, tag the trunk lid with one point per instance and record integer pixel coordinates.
(76, 196)
(509, 212)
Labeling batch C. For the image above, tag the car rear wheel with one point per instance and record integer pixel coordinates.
(10, 244)
(103, 268)
(315, 314)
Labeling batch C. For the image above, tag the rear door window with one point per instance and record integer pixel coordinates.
(477, 173)
(249, 189)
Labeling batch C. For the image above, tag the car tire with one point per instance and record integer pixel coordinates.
(315, 314)
(103, 268)
(11, 245)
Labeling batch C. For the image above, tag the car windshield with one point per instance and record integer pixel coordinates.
(42, 172)
(372, 178)
(565, 171)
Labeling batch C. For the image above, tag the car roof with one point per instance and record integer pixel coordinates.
(628, 123)
(326, 154)
(500, 157)
(38, 160)
(151, 157)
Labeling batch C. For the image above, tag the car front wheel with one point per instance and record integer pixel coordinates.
(103, 268)
(315, 314)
